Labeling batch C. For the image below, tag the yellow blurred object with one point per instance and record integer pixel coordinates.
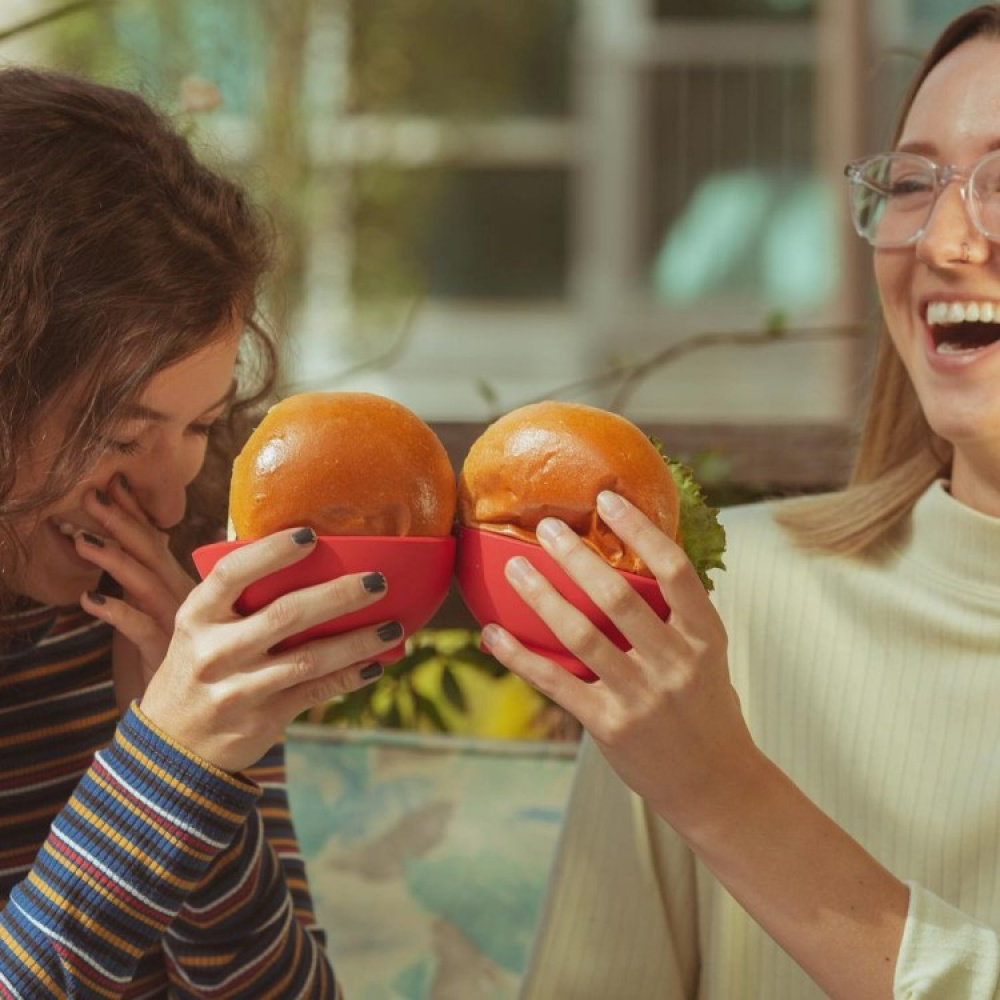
(503, 708)
(445, 684)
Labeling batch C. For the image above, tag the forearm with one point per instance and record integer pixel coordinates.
(837, 911)
(122, 855)
(248, 930)
(238, 936)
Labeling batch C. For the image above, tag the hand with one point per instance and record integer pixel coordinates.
(222, 693)
(154, 584)
(664, 713)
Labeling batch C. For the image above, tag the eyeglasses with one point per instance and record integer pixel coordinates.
(892, 195)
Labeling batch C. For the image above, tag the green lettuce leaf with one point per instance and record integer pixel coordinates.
(702, 536)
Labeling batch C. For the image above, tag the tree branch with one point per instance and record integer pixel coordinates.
(629, 376)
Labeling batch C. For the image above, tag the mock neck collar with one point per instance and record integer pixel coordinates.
(954, 541)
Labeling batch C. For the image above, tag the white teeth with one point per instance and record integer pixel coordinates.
(947, 348)
(950, 313)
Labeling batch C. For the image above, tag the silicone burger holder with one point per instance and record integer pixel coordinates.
(479, 567)
(418, 572)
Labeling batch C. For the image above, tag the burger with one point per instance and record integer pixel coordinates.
(342, 463)
(552, 459)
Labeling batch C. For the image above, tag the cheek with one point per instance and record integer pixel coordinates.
(894, 275)
(893, 283)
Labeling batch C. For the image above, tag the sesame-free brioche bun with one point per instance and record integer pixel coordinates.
(342, 463)
(552, 459)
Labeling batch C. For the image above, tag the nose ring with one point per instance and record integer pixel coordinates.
(965, 252)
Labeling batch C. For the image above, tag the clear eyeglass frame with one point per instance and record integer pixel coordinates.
(910, 210)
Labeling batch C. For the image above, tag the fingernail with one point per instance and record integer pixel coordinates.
(549, 529)
(519, 569)
(304, 536)
(371, 671)
(102, 498)
(610, 504)
(374, 583)
(96, 597)
(390, 631)
(124, 483)
(489, 636)
(92, 539)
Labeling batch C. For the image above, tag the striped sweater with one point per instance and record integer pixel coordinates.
(128, 867)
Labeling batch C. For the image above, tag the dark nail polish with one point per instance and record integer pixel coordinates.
(371, 671)
(102, 498)
(92, 539)
(390, 631)
(304, 536)
(96, 597)
(374, 583)
(124, 483)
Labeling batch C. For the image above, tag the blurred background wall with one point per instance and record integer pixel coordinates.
(481, 202)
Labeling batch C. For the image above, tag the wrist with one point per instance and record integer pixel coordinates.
(149, 719)
(719, 817)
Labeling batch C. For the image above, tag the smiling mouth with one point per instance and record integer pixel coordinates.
(963, 327)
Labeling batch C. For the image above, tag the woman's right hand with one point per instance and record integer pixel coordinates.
(220, 691)
(664, 711)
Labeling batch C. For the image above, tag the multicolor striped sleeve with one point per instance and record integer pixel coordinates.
(133, 842)
(249, 929)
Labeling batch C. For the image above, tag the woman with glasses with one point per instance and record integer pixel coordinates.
(793, 790)
(146, 845)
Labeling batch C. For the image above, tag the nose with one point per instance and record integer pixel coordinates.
(950, 236)
(159, 481)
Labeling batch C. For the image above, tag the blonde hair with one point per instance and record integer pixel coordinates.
(899, 455)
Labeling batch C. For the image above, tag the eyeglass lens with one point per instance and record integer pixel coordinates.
(893, 195)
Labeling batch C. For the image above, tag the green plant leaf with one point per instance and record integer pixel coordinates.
(473, 656)
(452, 690)
(424, 706)
(392, 718)
(409, 662)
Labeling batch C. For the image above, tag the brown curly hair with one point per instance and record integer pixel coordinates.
(120, 255)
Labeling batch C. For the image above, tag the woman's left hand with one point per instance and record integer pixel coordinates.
(154, 585)
(664, 712)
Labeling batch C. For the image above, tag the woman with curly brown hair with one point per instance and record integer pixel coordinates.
(146, 843)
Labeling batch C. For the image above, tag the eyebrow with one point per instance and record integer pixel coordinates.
(929, 150)
(139, 411)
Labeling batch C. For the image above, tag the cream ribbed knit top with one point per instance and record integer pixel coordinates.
(876, 687)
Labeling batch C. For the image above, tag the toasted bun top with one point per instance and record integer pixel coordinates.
(342, 463)
(552, 459)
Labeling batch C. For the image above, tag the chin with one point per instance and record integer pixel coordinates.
(965, 429)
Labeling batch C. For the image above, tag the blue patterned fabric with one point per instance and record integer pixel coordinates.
(427, 856)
